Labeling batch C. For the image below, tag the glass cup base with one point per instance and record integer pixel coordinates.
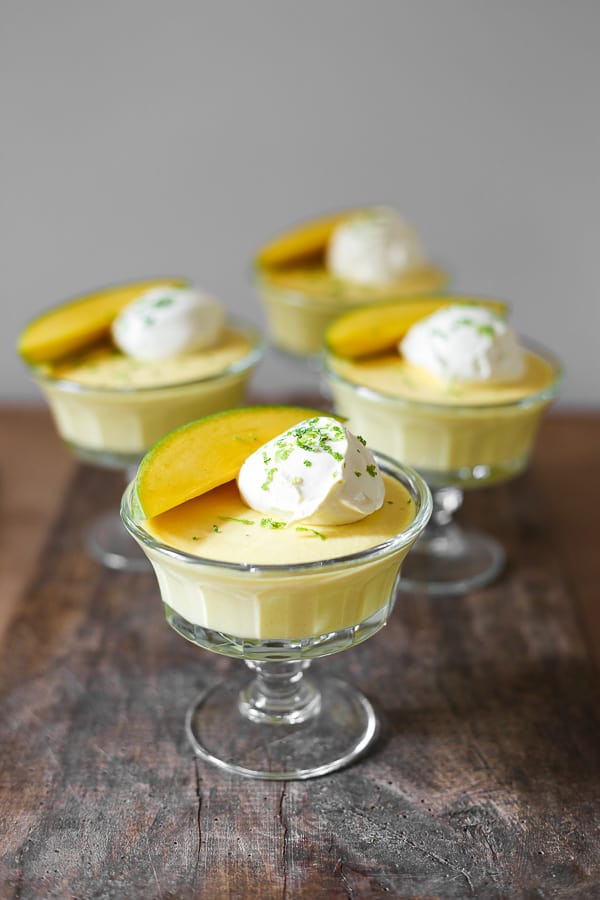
(338, 726)
(452, 562)
(107, 541)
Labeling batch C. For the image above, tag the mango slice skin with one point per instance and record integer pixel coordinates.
(81, 322)
(374, 329)
(206, 453)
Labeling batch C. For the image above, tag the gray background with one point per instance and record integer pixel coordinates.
(143, 137)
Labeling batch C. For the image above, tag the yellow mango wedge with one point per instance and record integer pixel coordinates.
(82, 321)
(302, 243)
(370, 330)
(206, 453)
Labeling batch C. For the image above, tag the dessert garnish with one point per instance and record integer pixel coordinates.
(316, 471)
(168, 321)
(377, 328)
(374, 247)
(206, 453)
(465, 343)
(74, 326)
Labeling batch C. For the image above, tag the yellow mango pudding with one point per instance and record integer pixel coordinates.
(276, 536)
(313, 272)
(122, 366)
(447, 387)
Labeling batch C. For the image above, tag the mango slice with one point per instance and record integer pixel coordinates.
(370, 330)
(82, 321)
(301, 244)
(206, 453)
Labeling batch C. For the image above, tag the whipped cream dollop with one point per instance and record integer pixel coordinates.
(318, 471)
(167, 321)
(374, 247)
(465, 343)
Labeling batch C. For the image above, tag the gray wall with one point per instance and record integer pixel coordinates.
(142, 137)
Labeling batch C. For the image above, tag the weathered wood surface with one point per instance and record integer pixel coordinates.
(34, 472)
(485, 782)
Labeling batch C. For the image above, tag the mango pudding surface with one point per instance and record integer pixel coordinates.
(318, 551)
(123, 366)
(106, 368)
(461, 399)
(298, 600)
(311, 273)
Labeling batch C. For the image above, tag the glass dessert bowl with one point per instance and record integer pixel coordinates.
(276, 595)
(459, 435)
(109, 407)
(310, 274)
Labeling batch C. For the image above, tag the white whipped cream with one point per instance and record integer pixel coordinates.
(318, 471)
(465, 343)
(374, 248)
(166, 321)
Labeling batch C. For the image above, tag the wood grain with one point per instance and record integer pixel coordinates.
(34, 471)
(485, 781)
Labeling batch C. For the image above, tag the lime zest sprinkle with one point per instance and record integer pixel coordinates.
(312, 531)
(372, 470)
(271, 523)
(270, 475)
(358, 474)
(312, 439)
(235, 519)
(360, 438)
(216, 529)
(284, 449)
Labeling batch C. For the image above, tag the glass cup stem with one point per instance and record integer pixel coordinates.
(446, 559)
(108, 542)
(446, 501)
(279, 693)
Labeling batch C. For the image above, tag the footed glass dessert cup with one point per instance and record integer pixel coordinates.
(112, 426)
(302, 290)
(455, 446)
(278, 722)
(311, 272)
(300, 307)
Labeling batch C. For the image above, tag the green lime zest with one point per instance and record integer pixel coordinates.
(312, 531)
(235, 519)
(271, 523)
(267, 482)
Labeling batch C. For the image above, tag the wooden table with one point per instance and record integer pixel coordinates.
(485, 781)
